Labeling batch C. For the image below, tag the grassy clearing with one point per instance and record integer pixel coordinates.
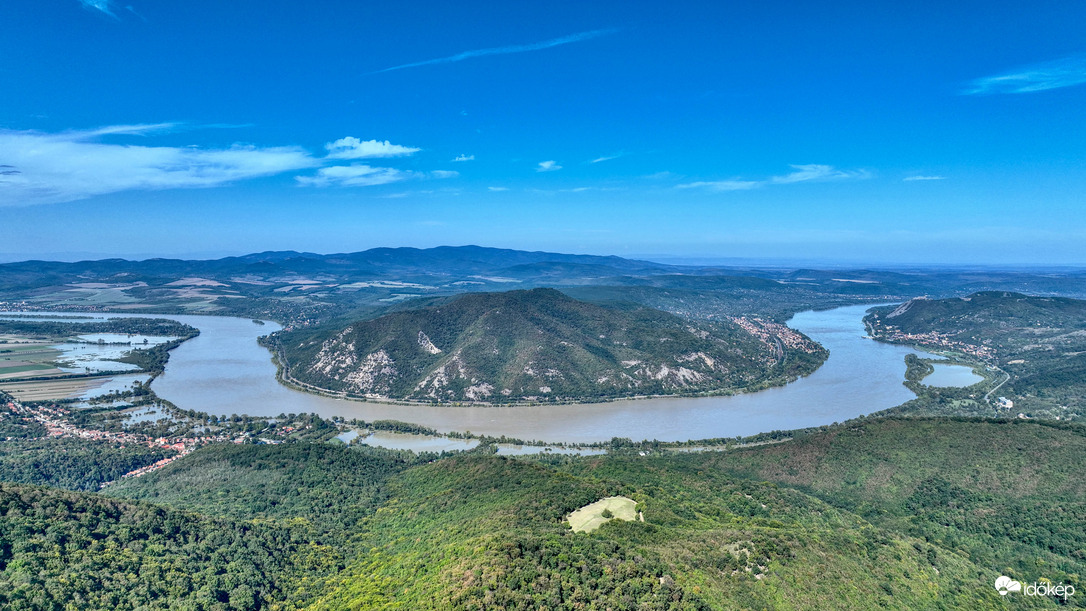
(591, 516)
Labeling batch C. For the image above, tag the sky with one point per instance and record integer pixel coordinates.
(836, 132)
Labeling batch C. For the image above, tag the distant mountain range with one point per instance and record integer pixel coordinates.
(301, 288)
(447, 260)
(540, 345)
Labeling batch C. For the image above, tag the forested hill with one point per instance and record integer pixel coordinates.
(875, 513)
(1040, 342)
(1000, 316)
(542, 345)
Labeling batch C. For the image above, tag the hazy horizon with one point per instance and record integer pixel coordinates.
(664, 258)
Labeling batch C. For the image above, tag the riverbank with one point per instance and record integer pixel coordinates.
(224, 371)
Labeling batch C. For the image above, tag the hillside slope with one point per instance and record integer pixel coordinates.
(900, 521)
(1040, 342)
(542, 345)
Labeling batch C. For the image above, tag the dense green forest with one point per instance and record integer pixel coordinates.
(1008, 495)
(72, 464)
(67, 550)
(906, 514)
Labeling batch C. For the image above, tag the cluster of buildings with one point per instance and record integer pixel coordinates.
(55, 420)
(770, 333)
(932, 338)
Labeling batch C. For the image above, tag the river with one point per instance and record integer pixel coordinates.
(224, 371)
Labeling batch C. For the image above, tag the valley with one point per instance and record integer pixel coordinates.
(756, 447)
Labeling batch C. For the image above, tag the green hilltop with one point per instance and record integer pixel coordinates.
(541, 345)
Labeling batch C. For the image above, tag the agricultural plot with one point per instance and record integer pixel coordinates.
(31, 363)
(26, 358)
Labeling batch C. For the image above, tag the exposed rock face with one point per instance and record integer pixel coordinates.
(538, 345)
(428, 345)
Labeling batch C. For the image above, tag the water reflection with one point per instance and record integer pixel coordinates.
(946, 375)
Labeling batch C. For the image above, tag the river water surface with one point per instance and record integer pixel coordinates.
(224, 371)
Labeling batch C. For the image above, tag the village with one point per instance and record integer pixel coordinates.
(55, 419)
(934, 339)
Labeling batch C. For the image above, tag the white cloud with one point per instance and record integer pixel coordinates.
(801, 173)
(1063, 72)
(605, 158)
(498, 188)
(139, 129)
(548, 166)
(358, 175)
(465, 158)
(99, 5)
(361, 175)
(818, 172)
(547, 44)
(911, 178)
(353, 148)
(723, 185)
(54, 168)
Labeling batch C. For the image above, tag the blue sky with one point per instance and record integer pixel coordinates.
(853, 132)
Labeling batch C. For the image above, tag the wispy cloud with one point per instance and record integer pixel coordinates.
(42, 168)
(1064, 72)
(354, 148)
(358, 175)
(538, 46)
(548, 166)
(53, 168)
(814, 171)
(132, 10)
(361, 175)
(606, 158)
(800, 173)
(99, 5)
(723, 185)
(139, 129)
(464, 158)
(497, 188)
(912, 178)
